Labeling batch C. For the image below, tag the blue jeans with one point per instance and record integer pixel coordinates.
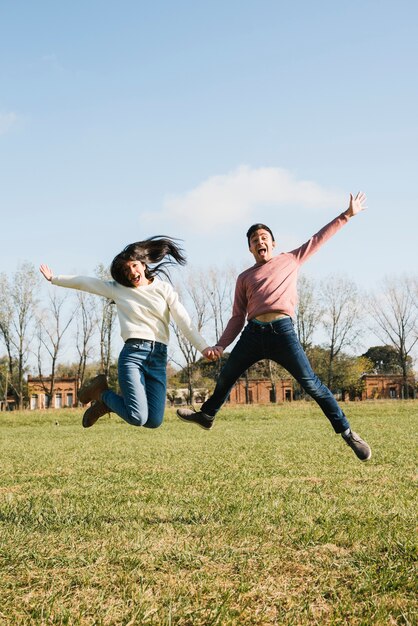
(142, 371)
(278, 342)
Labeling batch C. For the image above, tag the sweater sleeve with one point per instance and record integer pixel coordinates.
(239, 314)
(313, 244)
(85, 283)
(183, 321)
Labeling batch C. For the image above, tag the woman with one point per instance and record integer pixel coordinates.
(144, 304)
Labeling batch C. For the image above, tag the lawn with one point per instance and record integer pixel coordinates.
(267, 519)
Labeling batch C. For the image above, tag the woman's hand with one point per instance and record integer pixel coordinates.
(208, 354)
(213, 353)
(46, 271)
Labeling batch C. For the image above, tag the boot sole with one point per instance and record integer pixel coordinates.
(184, 419)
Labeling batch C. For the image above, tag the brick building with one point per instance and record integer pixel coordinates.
(255, 391)
(379, 386)
(260, 391)
(8, 404)
(64, 396)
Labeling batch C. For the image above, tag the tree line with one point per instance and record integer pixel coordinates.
(38, 322)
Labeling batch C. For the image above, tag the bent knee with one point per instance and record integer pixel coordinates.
(136, 419)
(152, 425)
(153, 422)
(312, 385)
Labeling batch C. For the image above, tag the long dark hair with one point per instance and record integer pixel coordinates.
(149, 252)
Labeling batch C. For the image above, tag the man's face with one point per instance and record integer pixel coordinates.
(261, 245)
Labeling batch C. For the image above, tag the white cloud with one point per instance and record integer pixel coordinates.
(7, 120)
(223, 200)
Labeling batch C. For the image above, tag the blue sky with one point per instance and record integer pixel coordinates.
(121, 120)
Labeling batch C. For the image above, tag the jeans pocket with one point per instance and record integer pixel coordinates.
(136, 349)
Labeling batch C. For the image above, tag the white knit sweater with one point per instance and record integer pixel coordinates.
(144, 312)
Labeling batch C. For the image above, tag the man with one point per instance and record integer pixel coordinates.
(266, 296)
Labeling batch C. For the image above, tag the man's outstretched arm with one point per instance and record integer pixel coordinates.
(356, 205)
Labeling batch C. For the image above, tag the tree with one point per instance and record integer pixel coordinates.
(395, 314)
(209, 369)
(218, 288)
(309, 311)
(348, 374)
(341, 317)
(385, 360)
(6, 316)
(17, 315)
(4, 380)
(199, 306)
(319, 360)
(51, 329)
(106, 322)
(201, 383)
(87, 322)
(347, 370)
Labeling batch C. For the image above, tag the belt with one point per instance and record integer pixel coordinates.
(266, 327)
(134, 340)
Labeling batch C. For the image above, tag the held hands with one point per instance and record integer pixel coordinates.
(218, 350)
(46, 271)
(357, 204)
(213, 353)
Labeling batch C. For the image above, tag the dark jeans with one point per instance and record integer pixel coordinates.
(279, 342)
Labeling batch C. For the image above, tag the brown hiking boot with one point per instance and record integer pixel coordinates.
(96, 410)
(93, 389)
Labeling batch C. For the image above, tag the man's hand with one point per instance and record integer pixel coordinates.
(357, 204)
(46, 271)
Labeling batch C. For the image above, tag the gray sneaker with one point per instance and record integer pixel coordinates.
(196, 417)
(361, 448)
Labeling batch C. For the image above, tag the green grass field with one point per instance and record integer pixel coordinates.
(267, 519)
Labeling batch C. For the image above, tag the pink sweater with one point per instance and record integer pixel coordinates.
(272, 286)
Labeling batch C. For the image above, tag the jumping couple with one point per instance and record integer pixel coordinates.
(264, 302)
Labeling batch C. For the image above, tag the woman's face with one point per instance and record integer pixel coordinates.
(135, 272)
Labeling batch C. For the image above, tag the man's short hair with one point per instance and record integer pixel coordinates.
(255, 227)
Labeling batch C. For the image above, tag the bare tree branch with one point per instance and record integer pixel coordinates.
(106, 322)
(17, 314)
(87, 322)
(341, 317)
(395, 314)
(309, 311)
(51, 330)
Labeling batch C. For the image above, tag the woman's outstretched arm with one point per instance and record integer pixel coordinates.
(82, 283)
